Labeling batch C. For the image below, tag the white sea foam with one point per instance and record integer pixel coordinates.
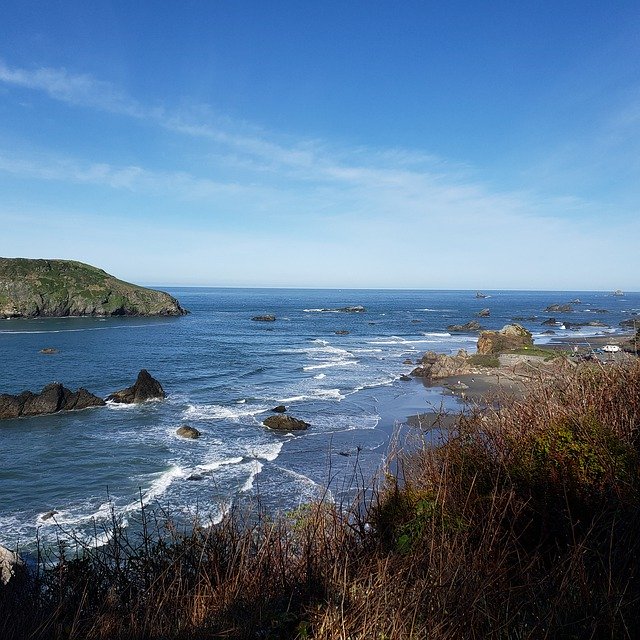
(256, 467)
(321, 311)
(268, 451)
(212, 466)
(330, 365)
(162, 482)
(220, 412)
(121, 406)
(320, 376)
(445, 310)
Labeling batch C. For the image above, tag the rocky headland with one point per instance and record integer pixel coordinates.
(60, 288)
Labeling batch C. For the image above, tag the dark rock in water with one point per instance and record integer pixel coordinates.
(11, 406)
(631, 323)
(285, 423)
(49, 400)
(549, 332)
(524, 319)
(598, 323)
(53, 398)
(484, 313)
(405, 378)
(279, 409)
(559, 308)
(81, 399)
(576, 301)
(267, 318)
(470, 326)
(479, 294)
(355, 309)
(195, 477)
(407, 361)
(49, 351)
(511, 336)
(597, 310)
(185, 431)
(342, 332)
(48, 515)
(551, 322)
(145, 388)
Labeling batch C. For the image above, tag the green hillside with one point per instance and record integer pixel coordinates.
(58, 288)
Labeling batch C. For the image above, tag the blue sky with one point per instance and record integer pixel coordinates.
(332, 144)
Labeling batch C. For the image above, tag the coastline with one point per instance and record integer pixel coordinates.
(510, 379)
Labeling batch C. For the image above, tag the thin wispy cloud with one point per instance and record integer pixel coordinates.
(313, 197)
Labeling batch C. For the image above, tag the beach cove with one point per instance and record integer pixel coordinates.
(333, 364)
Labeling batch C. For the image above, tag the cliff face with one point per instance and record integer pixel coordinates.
(55, 288)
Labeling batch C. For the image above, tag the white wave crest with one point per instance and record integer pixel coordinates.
(256, 467)
(220, 412)
(212, 466)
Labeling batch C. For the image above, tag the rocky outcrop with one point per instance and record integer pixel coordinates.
(285, 423)
(559, 308)
(484, 313)
(469, 326)
(279, 409)
(52, 399)
(185, 431)
(551, 322)
(439, 365)
(11, 565)
(511, 336)
(267, 318)
(146, 387)
(58, 288)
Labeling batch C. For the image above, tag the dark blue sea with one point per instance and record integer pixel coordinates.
(223, 373)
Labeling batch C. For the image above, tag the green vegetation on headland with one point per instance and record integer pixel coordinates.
(523, 524)
(55, 288)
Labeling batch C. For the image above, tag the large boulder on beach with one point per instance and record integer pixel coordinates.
(440, 365)
(283, 422)
(146, 387)
(511, 336)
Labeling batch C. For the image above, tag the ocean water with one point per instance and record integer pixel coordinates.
(223, 373)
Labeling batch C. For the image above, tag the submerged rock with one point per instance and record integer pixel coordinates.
(285, 423)
(342, 332)
(511, 336)
(52, 399)
(267, 318)
(49, 351)
(185, 431)
(145, 388)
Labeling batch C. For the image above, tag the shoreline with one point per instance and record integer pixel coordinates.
(510, 378)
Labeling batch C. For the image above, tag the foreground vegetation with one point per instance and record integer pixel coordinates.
(524, 524)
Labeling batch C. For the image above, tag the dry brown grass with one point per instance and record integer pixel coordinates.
(524, 524)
